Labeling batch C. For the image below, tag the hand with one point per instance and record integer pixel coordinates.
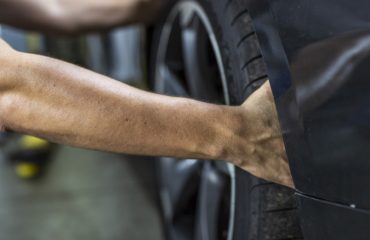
(266, 157)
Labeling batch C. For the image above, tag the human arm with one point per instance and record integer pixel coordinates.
(69, 17)
(71, 105)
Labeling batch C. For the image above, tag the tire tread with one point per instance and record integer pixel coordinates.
(276, 215)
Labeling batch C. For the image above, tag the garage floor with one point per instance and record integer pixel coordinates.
(84, 195)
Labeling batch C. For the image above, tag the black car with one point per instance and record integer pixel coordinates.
(315, 54)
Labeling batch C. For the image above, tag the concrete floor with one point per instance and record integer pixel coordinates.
(84, 195)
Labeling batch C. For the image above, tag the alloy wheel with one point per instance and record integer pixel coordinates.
(197, 196)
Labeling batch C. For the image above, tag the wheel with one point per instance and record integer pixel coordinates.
(208, 50)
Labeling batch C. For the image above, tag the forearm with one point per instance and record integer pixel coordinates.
(67, 16)
(71, 105)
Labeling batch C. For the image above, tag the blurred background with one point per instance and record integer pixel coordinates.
(57, 192)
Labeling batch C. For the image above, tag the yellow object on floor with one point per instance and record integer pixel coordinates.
(30, 156)
(27, 170)
(30, 142)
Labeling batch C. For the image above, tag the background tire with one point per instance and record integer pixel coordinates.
(256, 209)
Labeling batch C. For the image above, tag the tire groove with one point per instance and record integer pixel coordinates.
(292, 238)
(245, 11)
(251, 60)
(245, 38)
(260, 185)
(253, 81)
(281, 210)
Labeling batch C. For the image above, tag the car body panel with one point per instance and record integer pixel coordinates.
(318, 59)
(326, 220)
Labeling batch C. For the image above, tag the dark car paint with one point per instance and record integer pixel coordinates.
(318, 59)
(322, 220)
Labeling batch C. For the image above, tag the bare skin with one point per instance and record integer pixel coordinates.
(71, 16)
(262, 129)
(71, 105)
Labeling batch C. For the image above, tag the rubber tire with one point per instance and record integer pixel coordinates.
(262, 210)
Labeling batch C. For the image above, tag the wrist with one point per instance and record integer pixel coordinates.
(232, 139)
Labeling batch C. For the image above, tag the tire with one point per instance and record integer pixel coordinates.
(257, 210)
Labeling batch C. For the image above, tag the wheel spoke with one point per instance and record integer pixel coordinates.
(170, 83)
(212, 189)
(179, 180)
(194, 44)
